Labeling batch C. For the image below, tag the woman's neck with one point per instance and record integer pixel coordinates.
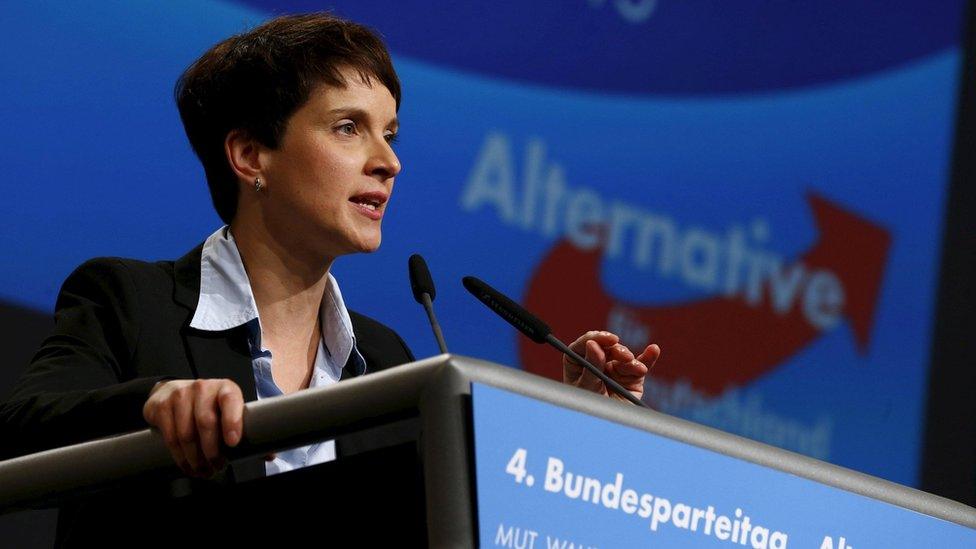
(287, 285)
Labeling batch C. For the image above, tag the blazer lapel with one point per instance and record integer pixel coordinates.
(215, 354)
(212, 354)
(353, 368)
(221, 355)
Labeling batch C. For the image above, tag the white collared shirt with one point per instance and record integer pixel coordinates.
(226, 302)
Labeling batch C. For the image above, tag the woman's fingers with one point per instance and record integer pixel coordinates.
(603, 339)
(627, 372)
(186, 429)
(163, 420)
(595, 356)
(619, 352)
(650, 355)
(231, 402)
(605, 351)
(194, 417)
(206, 414)
(573, 372)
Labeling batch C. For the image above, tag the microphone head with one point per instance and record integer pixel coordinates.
(524, 321)
(420, 281)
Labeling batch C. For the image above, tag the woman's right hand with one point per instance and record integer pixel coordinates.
(194, 415)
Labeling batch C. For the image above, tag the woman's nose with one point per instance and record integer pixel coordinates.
(383, 162)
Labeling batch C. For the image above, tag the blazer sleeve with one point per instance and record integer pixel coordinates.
(79, 385)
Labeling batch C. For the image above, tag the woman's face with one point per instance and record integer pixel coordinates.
(329, 181)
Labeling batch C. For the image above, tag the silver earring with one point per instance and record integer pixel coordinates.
(258, 184)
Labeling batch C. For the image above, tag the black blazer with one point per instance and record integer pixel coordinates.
(121, 326)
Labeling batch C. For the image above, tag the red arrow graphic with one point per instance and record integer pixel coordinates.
(717, 342)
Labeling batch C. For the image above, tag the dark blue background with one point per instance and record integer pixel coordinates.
(683, 47)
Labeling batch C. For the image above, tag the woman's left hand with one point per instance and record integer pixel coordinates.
(604, 350)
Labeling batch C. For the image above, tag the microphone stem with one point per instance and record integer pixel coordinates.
(611, 384)
(429, 307)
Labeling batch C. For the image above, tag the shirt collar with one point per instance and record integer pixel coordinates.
(226, 300)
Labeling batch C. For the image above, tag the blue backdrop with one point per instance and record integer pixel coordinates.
(769, 179)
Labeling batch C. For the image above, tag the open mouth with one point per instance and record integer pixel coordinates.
(371, 202)
(368, 204)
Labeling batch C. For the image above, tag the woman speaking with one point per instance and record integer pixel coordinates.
(294, 123)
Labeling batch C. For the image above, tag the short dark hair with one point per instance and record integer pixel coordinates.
(256, 80)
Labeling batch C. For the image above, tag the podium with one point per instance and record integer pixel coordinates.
(455, 451)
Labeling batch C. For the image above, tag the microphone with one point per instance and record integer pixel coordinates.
(537, 330)
(524, 321)
(423, 291)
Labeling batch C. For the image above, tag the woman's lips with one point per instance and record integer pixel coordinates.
(370, 204)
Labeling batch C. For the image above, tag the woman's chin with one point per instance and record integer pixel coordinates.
(368, 245)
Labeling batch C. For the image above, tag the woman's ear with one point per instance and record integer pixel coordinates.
(243, 155)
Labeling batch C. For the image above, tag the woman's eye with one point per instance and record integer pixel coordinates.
(392, 138)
